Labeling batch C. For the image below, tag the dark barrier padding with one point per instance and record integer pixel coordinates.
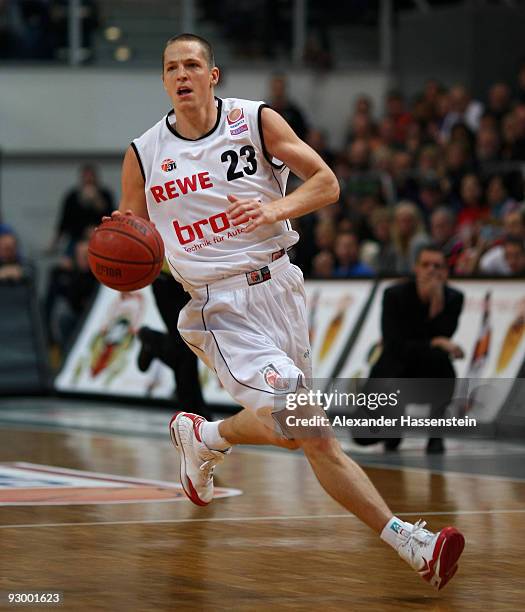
(23, 367)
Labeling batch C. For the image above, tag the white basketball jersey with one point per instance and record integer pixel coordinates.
(186, 184)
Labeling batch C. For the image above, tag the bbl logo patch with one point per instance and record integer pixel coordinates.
(237, 122)
(168, 165)
(234, 115)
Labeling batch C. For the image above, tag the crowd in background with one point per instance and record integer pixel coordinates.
(70, 283)
(444, 168)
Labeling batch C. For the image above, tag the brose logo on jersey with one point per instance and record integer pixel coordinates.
(188, 233)
(168, 165)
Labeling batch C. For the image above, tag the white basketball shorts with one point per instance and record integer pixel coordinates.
(254, 336)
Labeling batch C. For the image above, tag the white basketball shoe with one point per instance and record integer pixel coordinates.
(434, 556)
(197, 461)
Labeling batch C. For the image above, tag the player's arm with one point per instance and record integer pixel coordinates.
(133, 197)
(320, 186)
(319, 189)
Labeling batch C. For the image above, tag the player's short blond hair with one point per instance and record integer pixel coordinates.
(206, 47)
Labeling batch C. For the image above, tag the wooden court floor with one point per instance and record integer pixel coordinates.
(281, 545)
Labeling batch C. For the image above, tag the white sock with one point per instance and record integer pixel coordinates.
(395, 532)
(211, 436)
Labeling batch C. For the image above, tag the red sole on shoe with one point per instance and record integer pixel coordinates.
(448, 577)
(450, 553)
(443, 566)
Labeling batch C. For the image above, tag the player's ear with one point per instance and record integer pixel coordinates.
(214, 76)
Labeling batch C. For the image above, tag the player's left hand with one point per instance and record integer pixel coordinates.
(117, 213)
(251, 212)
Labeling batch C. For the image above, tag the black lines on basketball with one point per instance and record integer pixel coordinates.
(126, 253)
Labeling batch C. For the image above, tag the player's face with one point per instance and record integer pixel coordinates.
(187, 77)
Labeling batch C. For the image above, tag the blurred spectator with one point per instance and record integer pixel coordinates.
(472, 206)
(499, 100)
(378, 253)
(442, 109)
(69, 293)
(431, 93)
(170, 348)
(430, 196)
(324, 235)
(386, 134)
(460, 132)
(318, 234)
(514, 223)
(361, 128)
(395, 110)
(10, 260)
(364, 104)
(428, 162)
(382, 163)
(498, 199)
(507, 259)
(348, 264)
(317, 140)
(414, 139)
(363, 180)
(422, 113)
(457, 164)
(487, 121)
(408, 236)
(83, 207)
(488, 145)
(518, 147)
(405, 184)
(462, 109)
(509, 136)
(443, 234)
(280, 102)
(323, 265)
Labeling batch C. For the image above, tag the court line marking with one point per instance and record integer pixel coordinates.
(251, 519)
(65, 491)
(361, 459)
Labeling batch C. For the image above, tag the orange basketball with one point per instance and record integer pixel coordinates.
(126, 253)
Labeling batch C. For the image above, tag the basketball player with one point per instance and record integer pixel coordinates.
(212, 176)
